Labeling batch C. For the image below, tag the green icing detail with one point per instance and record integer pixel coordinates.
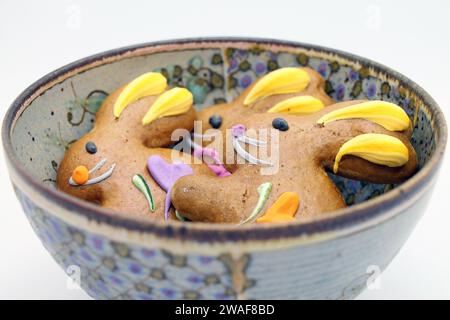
(263, 191)
(140, 183)
(179, 216)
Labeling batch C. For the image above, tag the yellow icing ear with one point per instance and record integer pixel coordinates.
(386, 114)
(298, 105)
(148, 84)
(284, 80)
(172, 102)
(377, 148)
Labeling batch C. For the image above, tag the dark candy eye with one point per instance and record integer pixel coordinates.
(91, 147)
(280, 124)
(215, 121)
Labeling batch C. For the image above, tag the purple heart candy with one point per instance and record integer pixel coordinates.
(165, 175)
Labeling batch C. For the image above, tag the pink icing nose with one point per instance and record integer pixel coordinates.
(218, 168)
(238, 130)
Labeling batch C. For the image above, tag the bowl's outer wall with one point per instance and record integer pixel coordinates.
(337, 268)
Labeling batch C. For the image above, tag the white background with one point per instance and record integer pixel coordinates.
(37, 37)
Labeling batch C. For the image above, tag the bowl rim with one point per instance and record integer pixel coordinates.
(343, 218)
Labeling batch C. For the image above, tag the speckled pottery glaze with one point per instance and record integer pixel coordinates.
(123, 258)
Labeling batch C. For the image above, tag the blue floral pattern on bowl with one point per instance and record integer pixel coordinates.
(113, 270)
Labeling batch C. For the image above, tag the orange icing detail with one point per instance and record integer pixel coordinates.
(80, 175)
(283, 209)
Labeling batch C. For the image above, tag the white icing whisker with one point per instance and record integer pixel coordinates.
(98, 179)
(251, 141)
(247, 156)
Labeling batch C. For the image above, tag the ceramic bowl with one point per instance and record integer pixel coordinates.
(117, 257)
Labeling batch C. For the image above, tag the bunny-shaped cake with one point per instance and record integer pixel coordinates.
(306, 149)
(134, 126)
(372, 136)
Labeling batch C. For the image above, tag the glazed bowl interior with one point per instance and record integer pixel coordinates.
(61, 107)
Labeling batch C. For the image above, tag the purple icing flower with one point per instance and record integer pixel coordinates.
(245, 81)
(218, 168)
(238, 130)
